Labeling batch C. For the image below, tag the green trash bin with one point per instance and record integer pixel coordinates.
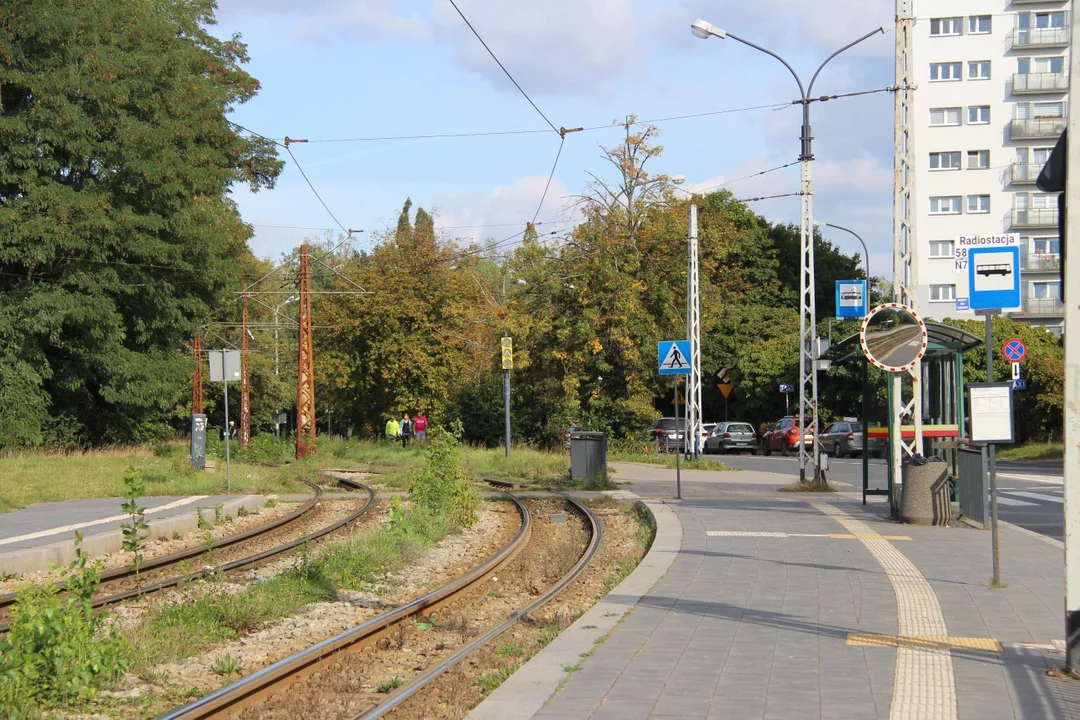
(588, 455)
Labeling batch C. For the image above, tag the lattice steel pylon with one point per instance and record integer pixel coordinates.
(305, 375)
(693, 332)
(808, 385)
(196, 378)
(245, 377)
(905, 249)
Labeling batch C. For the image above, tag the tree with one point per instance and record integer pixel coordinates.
(116, 232)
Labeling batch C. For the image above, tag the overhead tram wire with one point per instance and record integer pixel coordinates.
(551, 176)
(503, 68)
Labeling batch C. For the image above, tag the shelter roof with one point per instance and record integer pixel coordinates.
(942, 340)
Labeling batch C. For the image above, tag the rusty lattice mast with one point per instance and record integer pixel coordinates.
(245, 377)
(305, 375)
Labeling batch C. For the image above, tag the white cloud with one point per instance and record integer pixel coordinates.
(503, 211)
(549, 47)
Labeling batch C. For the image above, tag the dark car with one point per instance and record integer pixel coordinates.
(845, 439)
(732, 437)
(784, 437)
(669, 434)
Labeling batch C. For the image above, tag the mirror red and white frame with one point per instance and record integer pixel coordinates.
(866, 350)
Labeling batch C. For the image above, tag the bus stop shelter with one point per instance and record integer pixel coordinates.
(942, 395)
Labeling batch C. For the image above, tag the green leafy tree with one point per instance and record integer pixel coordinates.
(117, 235)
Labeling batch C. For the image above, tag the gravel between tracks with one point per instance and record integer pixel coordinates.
(551, 551)
(451, 557)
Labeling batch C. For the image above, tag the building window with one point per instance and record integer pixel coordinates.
(949, 205)
(979, 70)
(1046, 290)
(1041, 20)
(945, 161)
(945, 71)
(1045, 245)
(978, 159)
(979, 115)
(942, 293)
(978, 203)
(979, 25)
(1029, 65)
(946, 26)
(941, 248)
(945, 116)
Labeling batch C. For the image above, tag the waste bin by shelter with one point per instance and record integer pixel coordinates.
(924, 499)
(588, 455)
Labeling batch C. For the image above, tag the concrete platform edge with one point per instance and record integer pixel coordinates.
(526, 691)
(61, 552)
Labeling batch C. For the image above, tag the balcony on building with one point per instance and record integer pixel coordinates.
(1037, 128)
(1034, 218)
(1035, 38)
(1041, 262)
(1022, 173)
(1041, 307)
(1032, 83)
(1038, 2)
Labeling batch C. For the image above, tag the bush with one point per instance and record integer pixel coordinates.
(443, 487)
(266, 448)
(57, 652)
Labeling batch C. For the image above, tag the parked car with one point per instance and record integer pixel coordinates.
(669, 434)
(706, 430)
(732, 437)
(785, 436)
(845, 439)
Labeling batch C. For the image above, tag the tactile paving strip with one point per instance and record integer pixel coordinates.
(924, 686)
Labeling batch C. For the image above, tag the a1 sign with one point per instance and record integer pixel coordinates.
(1014, 350)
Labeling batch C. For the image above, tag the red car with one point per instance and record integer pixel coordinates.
(784, 437)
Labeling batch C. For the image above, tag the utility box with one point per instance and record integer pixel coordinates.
(588, 455)
(198, 441)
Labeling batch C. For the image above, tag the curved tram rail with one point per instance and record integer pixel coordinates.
(166, 561)
(283, 675)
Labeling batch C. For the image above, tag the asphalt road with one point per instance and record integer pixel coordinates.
(1029, 493)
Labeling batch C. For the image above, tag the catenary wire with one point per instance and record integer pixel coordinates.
(502, 67)
(547, 186)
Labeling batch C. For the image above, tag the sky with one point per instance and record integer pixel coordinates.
(334, 70)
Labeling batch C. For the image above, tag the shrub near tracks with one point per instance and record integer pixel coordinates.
(57, 651)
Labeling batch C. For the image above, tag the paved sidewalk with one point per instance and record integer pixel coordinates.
(790, 606)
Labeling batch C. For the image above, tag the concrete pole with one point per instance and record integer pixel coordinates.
(1072, 376)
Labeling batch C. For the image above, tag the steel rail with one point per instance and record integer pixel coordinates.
(418, 684)
(231, 540)
(286, 673)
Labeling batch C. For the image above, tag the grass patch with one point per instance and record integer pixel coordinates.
(1032, 451)
(489, 682)
(809, 486)
(510, 649)
(548, 635)
(388, 685)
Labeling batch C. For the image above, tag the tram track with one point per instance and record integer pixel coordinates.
(134, 580)
(301, 672)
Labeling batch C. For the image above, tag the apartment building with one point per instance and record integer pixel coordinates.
(991, 102)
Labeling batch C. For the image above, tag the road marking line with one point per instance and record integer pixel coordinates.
(924, 687)
(1037, 496)
(931, 642)
(833, 536)
(114, 518)
(1015, 503)
(1048, 479)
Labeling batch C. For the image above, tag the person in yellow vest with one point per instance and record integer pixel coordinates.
(393, 429)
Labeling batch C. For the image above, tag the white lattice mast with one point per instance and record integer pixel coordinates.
(808, 389)
(693, 331)
(905, 255)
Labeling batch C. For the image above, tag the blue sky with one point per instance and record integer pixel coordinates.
(334, 69)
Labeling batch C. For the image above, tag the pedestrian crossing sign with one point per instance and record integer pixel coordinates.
(673, 357)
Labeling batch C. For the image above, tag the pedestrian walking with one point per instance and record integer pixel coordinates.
(406, 430)
(420, 426)
(393, 429)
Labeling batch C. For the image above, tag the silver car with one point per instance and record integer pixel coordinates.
(732, 437)
(845, 439)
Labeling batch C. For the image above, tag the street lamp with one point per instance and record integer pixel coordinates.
(866, 253)
(277, 366)
(807, 332)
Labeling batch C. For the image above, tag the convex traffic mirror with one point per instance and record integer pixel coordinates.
(893, 337)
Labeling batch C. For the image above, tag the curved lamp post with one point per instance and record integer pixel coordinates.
(866, 253)
(807, 332)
